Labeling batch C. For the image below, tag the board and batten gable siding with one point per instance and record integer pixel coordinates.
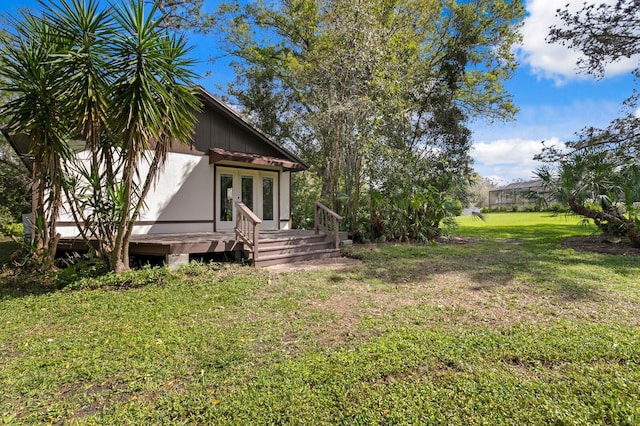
(214, 130)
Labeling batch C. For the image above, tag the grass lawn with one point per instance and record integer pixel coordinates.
(501, 326)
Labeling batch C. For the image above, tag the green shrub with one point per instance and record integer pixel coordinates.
(558, 208)
(128, 279)
(6, 220)
(80, 267)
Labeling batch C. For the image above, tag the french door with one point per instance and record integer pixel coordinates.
(257, 189)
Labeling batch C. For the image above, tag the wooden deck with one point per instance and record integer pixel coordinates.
(276, 246)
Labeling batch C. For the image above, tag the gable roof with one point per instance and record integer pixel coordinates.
(225, 110)
(535, 185)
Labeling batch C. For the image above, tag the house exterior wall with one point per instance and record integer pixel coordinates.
(285, 200)
(181, 200)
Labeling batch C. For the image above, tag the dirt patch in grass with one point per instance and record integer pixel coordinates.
(601, 244)
(331, 263)
(349, 309)
(454, 299)
(446, 287)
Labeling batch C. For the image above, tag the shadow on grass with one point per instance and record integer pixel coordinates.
(509, 264)
(14, 287)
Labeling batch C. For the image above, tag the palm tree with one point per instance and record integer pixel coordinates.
(153, 107)
(122, 84)
(31, 80)
(86, 32)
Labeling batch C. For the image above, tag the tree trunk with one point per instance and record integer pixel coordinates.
(626, 226)
(119, 259)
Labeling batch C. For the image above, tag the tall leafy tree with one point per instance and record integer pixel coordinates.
(357, 85)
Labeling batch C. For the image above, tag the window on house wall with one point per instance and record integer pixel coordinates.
(247, 191)
(267, 198)
(226, 198)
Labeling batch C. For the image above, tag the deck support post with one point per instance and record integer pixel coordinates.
(173, 261)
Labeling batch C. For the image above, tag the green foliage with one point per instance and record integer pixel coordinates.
(414, 201)
(558, 208)
(599, 183)
(78, 272)
(92, 276)
(7, 219)
(34, 109)
(411, 215)
(15, 182)
(305, 191)
(598, 175)
(601, 32)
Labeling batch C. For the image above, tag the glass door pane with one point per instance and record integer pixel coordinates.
(226, 198)
(267, 198)
(247, 191)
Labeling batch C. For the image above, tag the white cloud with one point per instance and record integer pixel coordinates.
(544, 120)
(509, 151)
(554, 61)
(505, 160)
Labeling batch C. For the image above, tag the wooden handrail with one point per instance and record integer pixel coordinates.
(248, 228)
(321, 216)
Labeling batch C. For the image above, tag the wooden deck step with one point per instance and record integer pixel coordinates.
(294, 248)
(278, 259)
(279, 249)
(291, 240)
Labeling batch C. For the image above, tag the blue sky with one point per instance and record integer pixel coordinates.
(554, 100)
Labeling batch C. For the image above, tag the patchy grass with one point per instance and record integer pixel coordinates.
(501, 326)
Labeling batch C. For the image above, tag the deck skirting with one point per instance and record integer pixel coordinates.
(282, 246)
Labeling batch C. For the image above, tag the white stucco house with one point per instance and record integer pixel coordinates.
(229, 189)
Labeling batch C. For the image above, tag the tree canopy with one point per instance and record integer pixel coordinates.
(604, 33)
